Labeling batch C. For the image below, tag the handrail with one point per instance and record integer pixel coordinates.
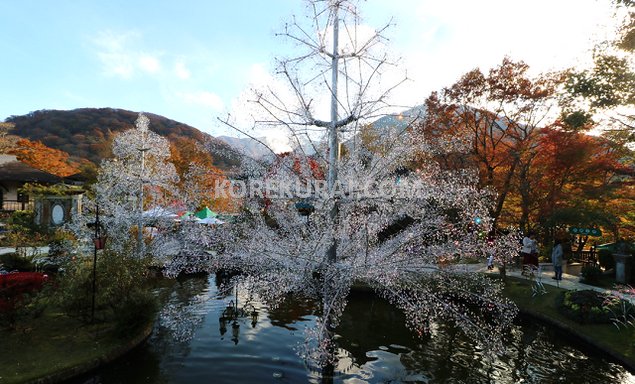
(15, 205)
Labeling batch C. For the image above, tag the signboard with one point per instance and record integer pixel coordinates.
(585, 231)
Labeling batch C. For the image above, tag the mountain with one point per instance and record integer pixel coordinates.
(247, 145)
(254, 147)
(401, 121)
(87, 133)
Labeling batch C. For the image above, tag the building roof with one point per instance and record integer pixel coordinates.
(11, 169)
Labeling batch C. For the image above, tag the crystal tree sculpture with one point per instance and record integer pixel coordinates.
(134, 185)
(356, 203)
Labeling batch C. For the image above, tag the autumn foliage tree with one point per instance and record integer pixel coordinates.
(578, 179)
(603, 96)
(498, 114)
(199, 177)
(39, 156)
(7, 141)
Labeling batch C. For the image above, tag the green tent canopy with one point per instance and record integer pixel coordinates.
(186, 214)
(205, 213)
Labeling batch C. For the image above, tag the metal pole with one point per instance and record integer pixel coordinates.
(333, 147)
(92, 308)
(140, 244)
(331, 253)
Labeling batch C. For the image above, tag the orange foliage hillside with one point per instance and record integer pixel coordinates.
(39, 156)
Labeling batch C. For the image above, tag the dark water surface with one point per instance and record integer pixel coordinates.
(192, 344)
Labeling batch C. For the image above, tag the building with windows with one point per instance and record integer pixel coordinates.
(49, 210)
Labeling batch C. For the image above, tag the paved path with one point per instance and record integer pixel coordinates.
(40, 250)
(569, 282)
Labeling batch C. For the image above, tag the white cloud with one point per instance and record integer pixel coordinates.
(447, 39)
(112, 54)
(259, 79)
(117, 64)
(119, 58)
(546, 34)
(148, 63)
(259, 76)
(181, 71)
(204, 98)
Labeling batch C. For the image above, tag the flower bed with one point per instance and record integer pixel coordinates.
(13, 286)
(590, 307)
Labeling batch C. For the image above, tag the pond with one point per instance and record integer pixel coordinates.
(374, 347)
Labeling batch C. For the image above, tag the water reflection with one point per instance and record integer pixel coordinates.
(230, 345)
(292, 311)
(233, 314)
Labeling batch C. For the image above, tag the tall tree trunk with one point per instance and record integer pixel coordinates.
(502, 193)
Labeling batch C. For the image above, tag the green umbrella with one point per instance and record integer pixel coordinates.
(205, 213)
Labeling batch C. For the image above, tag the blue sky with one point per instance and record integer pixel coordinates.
(190, 60)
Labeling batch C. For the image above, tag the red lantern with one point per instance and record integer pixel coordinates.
(100, 242)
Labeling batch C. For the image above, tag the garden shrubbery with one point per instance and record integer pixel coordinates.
(22, 232)
(123, 298)
(591, 307)
(61, 245)
(134, 312)
(14, 262)
(19, 297)
(121, 294)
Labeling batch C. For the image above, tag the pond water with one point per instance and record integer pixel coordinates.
(374, 347)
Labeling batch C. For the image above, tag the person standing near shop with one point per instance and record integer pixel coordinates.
(556, 259)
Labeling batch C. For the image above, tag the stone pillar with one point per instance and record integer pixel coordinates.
(76, 205)
(623, 266)
(38, 208)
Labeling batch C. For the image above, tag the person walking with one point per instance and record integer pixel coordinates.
(527, 251)
(534, 252)
(556, 259)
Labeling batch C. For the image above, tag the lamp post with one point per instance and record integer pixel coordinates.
(233, 313)
(99, 241)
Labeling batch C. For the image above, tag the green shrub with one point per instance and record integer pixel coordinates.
(135, 312)
(19, 304)
(586, 307)
(30, 307)
(75, 291)
(591, 307)
(590, 274)
(61, 246)
(13, 261)
(605, 257)
(120, 291)
(23, 219)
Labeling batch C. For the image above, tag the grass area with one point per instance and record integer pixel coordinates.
(52, 344)
(620, 343)
(55, 343)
